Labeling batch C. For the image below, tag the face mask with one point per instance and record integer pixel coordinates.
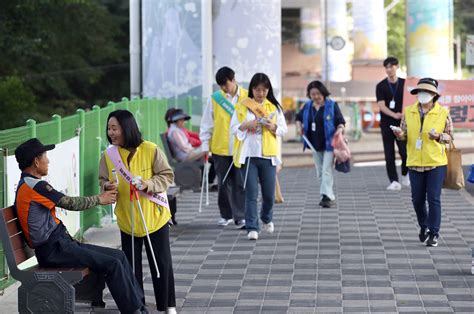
(424, 97)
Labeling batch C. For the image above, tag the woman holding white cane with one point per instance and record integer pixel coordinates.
(141, 165)
(256, 123)
(319, 120)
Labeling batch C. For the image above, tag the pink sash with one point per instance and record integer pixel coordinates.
(160, 199)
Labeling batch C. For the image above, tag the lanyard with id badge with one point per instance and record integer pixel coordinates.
(419, 141)
(314, 113)
(392, 102)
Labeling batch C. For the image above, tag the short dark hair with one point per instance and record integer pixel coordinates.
(262, 78)
(169, 113)
(131, 134)
(319, 86)
(223, 75)
(390, 61)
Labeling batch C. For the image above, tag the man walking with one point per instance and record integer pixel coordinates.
(216, 138)
(389, 93)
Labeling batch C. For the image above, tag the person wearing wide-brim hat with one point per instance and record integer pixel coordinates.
(180, 145)
(427, 127)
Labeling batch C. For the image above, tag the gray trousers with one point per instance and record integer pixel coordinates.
(231, 195)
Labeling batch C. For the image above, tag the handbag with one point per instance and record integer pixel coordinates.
(278, 196)
(342, 154)
(454, 179)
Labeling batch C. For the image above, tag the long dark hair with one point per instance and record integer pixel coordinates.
(320, 87)
(131, 134)
(262, 78)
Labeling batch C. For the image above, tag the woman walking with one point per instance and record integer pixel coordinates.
(319, 121)
(256, 123)
(427, 127)
(143, 165)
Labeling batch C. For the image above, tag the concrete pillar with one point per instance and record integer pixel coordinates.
(429, 27)
(311, 31)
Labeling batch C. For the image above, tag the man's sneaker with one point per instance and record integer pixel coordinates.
(394, 186)
(423, 235)
(269, 228)
(224, 222)
(405, 180)
(240, 224)
(252, 235)
(432, 240)
(171, 310)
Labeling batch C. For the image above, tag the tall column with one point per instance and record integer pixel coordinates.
(430, 38)
(370, 29)
(206, 47)
(311, 31)
(337, 49)
(247, 38)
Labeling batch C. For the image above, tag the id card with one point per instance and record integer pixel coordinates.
(392, 104)
(313, 126)
(418, 143)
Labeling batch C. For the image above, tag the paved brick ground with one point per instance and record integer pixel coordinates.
(361, 256)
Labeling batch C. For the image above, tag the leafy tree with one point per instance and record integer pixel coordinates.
(16, 102)
(69, 54)
(396, 31)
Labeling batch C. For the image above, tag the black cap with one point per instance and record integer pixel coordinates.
(27, 151)
(178, 115)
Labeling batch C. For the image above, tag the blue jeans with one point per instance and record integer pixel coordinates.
(427, 185)
(260, 170)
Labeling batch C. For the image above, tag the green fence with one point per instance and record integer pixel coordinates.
(90, 126)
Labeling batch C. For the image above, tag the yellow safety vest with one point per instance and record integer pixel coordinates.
(269, 140)
(432, 153)
(219, 144)
(141, 165)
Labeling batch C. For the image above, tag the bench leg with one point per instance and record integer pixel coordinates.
(46, 293)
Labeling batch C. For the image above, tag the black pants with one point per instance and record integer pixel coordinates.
(231, 194)
(389, 139)
(111, 263)
(163, 286)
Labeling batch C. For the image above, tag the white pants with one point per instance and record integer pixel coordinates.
(324, 166)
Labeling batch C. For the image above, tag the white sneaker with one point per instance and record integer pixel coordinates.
(252, 235)
(268, 227)
(406, 180)
(171, 310)
(394, 186)
(224, 222)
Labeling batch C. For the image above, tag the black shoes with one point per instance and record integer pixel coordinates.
(423, 235)
(432, 240)
(325, 202)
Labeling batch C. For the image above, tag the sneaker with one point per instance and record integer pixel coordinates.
(432, 240)
(224, 222)
(406, 180)
(171, 310)
(325, 201)
(240, 224)
(269, 228)
(252, 235)
(423, 235)
(394, 186)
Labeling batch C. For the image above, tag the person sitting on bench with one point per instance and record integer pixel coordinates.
(36, 202)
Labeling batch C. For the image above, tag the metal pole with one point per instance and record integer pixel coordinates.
(135, 48)
(206, 47)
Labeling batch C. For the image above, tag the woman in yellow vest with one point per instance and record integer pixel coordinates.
(427, 127)
(256, 123)
(134, 157)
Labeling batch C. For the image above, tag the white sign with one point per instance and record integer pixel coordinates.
(63, 176)
(470, 50)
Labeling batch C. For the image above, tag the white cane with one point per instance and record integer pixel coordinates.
(227, 173)
(205, 178)
(207, 167)
(146, 230)
(246, 173)
(313, 151)
(133, 224)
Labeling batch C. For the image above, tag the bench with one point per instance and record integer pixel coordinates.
(53, 290)
(187, 174)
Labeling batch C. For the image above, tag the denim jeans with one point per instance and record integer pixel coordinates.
(324, 166)
(427, 185)
(259, 170)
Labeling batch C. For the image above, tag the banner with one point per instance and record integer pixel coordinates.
(457, 95)
(63, 175)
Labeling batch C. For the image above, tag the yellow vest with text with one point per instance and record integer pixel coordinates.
(269, 140)
(432, 153)
(141, 165)
(219, 144)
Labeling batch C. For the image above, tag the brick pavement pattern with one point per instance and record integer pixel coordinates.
(361, 256)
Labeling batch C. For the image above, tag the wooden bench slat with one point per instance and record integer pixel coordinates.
(9, 214)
